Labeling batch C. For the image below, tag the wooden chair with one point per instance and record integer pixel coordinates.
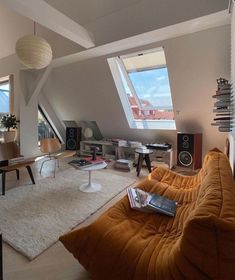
(52, 147)
(10, 151)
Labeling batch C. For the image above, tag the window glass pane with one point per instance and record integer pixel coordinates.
(4, 98)
(44, 128)
(4, 102)
(148, 75)
(152, 88)
(143, 86)
(153, 91)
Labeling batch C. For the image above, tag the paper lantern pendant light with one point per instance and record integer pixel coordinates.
(34, 52)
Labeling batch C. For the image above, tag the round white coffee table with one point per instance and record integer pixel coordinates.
(91, 186)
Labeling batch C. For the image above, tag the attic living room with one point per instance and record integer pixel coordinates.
(112, 104)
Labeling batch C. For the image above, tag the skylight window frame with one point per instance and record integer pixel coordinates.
(9, 80)
(129, 83)
(116, 65)
(125, 72)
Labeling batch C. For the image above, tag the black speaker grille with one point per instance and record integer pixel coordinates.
(71, 144)
(73, 138)
(185, 158)
(185, 142)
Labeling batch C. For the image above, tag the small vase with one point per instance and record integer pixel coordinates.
(9, 136)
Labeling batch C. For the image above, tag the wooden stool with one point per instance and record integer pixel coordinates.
(143, 155)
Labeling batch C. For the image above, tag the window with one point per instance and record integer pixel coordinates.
(143, 85)
(45, 129)
(6, 97)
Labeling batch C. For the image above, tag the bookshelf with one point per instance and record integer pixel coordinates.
(223, 107)
(106, 148)
(109, 150)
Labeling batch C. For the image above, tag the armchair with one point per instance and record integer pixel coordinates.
(52, 147)
(8, 152)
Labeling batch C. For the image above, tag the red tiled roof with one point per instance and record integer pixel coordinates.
(149, 114)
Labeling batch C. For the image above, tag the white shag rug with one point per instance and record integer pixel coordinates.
(34, 216)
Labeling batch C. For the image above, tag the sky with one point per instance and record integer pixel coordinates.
(153, 86)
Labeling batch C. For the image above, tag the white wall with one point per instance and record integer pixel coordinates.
(26, 114)
(86, 91)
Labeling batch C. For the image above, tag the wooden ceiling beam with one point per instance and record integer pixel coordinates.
(44, 14)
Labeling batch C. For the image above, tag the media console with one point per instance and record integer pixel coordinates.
(163, 156)
(109, 150)
(105, 147)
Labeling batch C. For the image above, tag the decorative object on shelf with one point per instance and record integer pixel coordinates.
(9, 122)
(33, 51)
(94, 149)
(223, 106)
(88, 133)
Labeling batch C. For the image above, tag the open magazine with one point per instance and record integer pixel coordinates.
(148, 202)
(85, 162)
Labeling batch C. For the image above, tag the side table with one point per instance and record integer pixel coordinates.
(91, 186)
(143, 155)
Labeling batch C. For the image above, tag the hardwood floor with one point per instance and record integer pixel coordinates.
(56, 263)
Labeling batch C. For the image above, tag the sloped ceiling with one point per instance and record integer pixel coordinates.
(108, 20)
(111, 20)
(90, 10)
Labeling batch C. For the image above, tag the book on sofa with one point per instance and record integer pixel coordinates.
(149, 202)
(85, 162)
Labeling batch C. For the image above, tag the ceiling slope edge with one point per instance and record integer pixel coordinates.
(173, 31)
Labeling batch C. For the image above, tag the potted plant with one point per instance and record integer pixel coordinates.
(9, 122)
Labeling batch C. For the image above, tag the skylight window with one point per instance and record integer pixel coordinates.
(4, 97)
(144, 89)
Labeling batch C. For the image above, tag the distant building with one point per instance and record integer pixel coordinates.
(153, 114)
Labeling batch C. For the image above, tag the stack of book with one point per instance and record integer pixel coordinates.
(148, 202)
(134, 144)
(223, 106)
(119, 142)
(124, 164)
(85, 162)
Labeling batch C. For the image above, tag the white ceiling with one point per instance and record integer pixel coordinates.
(87, 11)
(107, 20)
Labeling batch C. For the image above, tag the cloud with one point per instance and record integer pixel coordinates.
(161, 78)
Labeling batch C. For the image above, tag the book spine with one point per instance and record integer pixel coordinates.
(129, 194)
(160, 210)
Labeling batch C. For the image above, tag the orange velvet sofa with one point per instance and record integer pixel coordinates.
(198, 243)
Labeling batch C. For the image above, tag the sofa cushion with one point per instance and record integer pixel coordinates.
(198, 243)
(212, 221)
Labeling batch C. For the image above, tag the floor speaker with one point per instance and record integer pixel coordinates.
(189, 150)
(73, 138)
